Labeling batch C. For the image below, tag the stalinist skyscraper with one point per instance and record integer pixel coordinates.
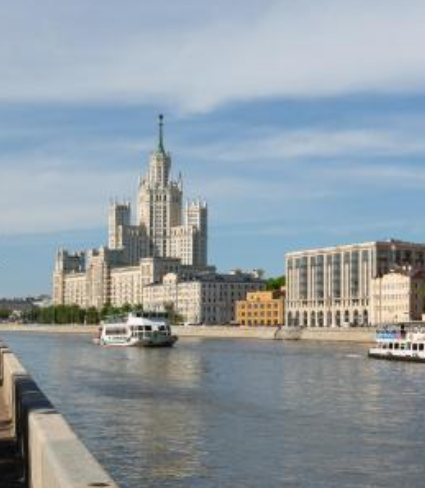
(160, 200)
(166, 237)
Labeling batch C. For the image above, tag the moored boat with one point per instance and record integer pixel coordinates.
(141, 329)
(399, 344)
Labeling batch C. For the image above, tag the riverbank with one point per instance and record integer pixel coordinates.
(360, 335)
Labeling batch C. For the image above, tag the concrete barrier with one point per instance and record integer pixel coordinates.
(361, 335)
(53, 455)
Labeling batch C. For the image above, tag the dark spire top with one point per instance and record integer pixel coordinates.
(161, 133)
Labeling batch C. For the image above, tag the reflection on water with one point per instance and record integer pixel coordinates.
(237, 413)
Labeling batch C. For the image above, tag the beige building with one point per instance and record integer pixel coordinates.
(204, 299)
(261, 308)
(331, 287)
(167, 238)
(398, 297)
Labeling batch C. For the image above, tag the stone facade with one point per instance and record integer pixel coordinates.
(263, 308)
(398, 297)
(205, 299)
(331, 287)
(166, 238)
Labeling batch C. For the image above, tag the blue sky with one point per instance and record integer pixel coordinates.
(302, 123)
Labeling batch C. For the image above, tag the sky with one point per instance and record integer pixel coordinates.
(302, 123)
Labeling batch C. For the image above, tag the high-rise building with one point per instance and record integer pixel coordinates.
(165, 238)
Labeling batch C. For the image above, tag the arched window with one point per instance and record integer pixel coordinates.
(338, 318)
(346, 318)
(313, 319)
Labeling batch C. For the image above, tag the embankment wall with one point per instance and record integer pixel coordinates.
(363, 335)
(53, 455)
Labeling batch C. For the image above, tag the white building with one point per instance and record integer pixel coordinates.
(331, 287)
(398, 297)
(206, 299)
(164, 239)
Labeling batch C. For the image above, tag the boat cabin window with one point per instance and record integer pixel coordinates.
(384, 345)
(115, 331)
(148, 328)
(415, 347)
(421, 347)
(391, 345)
(396, 345)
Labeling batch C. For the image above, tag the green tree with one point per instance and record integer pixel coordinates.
(92, 316)
(275, 283)
(4, 313)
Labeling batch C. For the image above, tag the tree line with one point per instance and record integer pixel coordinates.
(73, 314)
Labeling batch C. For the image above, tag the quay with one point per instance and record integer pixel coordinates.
(324, 334)
(38, 449)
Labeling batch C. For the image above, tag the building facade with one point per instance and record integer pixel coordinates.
(331, 287)
(398, 297)
(205, 299)
(261, 308)
(166, 238)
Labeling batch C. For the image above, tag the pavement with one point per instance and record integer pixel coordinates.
(11, 465)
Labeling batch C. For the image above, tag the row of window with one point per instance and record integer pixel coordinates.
(402, 346)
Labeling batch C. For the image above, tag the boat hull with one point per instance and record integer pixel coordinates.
(161, 342)
(392, 357)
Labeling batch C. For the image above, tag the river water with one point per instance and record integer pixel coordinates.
(235, 413)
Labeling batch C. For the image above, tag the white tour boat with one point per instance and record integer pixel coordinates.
(140, 329)
(399, 344)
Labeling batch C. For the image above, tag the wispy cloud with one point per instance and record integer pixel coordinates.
(289, 145)
(200, 55)
(52, 197)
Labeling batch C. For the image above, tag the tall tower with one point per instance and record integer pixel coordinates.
(196, 215)
(119, 216)
(160, 200)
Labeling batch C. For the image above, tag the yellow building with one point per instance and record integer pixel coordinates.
(261, 308)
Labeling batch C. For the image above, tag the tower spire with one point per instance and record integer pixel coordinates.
(161, 133)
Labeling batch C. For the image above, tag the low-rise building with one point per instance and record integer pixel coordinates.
(398, 297)
(261, 308)
(204, 299)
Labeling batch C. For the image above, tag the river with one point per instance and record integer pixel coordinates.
(236, 413)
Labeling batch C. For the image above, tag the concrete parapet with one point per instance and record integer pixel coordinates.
(361, 335)
(334, 334)
(53, 455)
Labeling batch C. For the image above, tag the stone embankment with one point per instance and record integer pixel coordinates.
(38, 449)
(362, 335)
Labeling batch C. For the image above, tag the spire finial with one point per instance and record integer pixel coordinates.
(161, 132)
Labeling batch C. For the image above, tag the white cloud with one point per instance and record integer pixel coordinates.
(314, 143)
(200, 55)
(49, 196)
